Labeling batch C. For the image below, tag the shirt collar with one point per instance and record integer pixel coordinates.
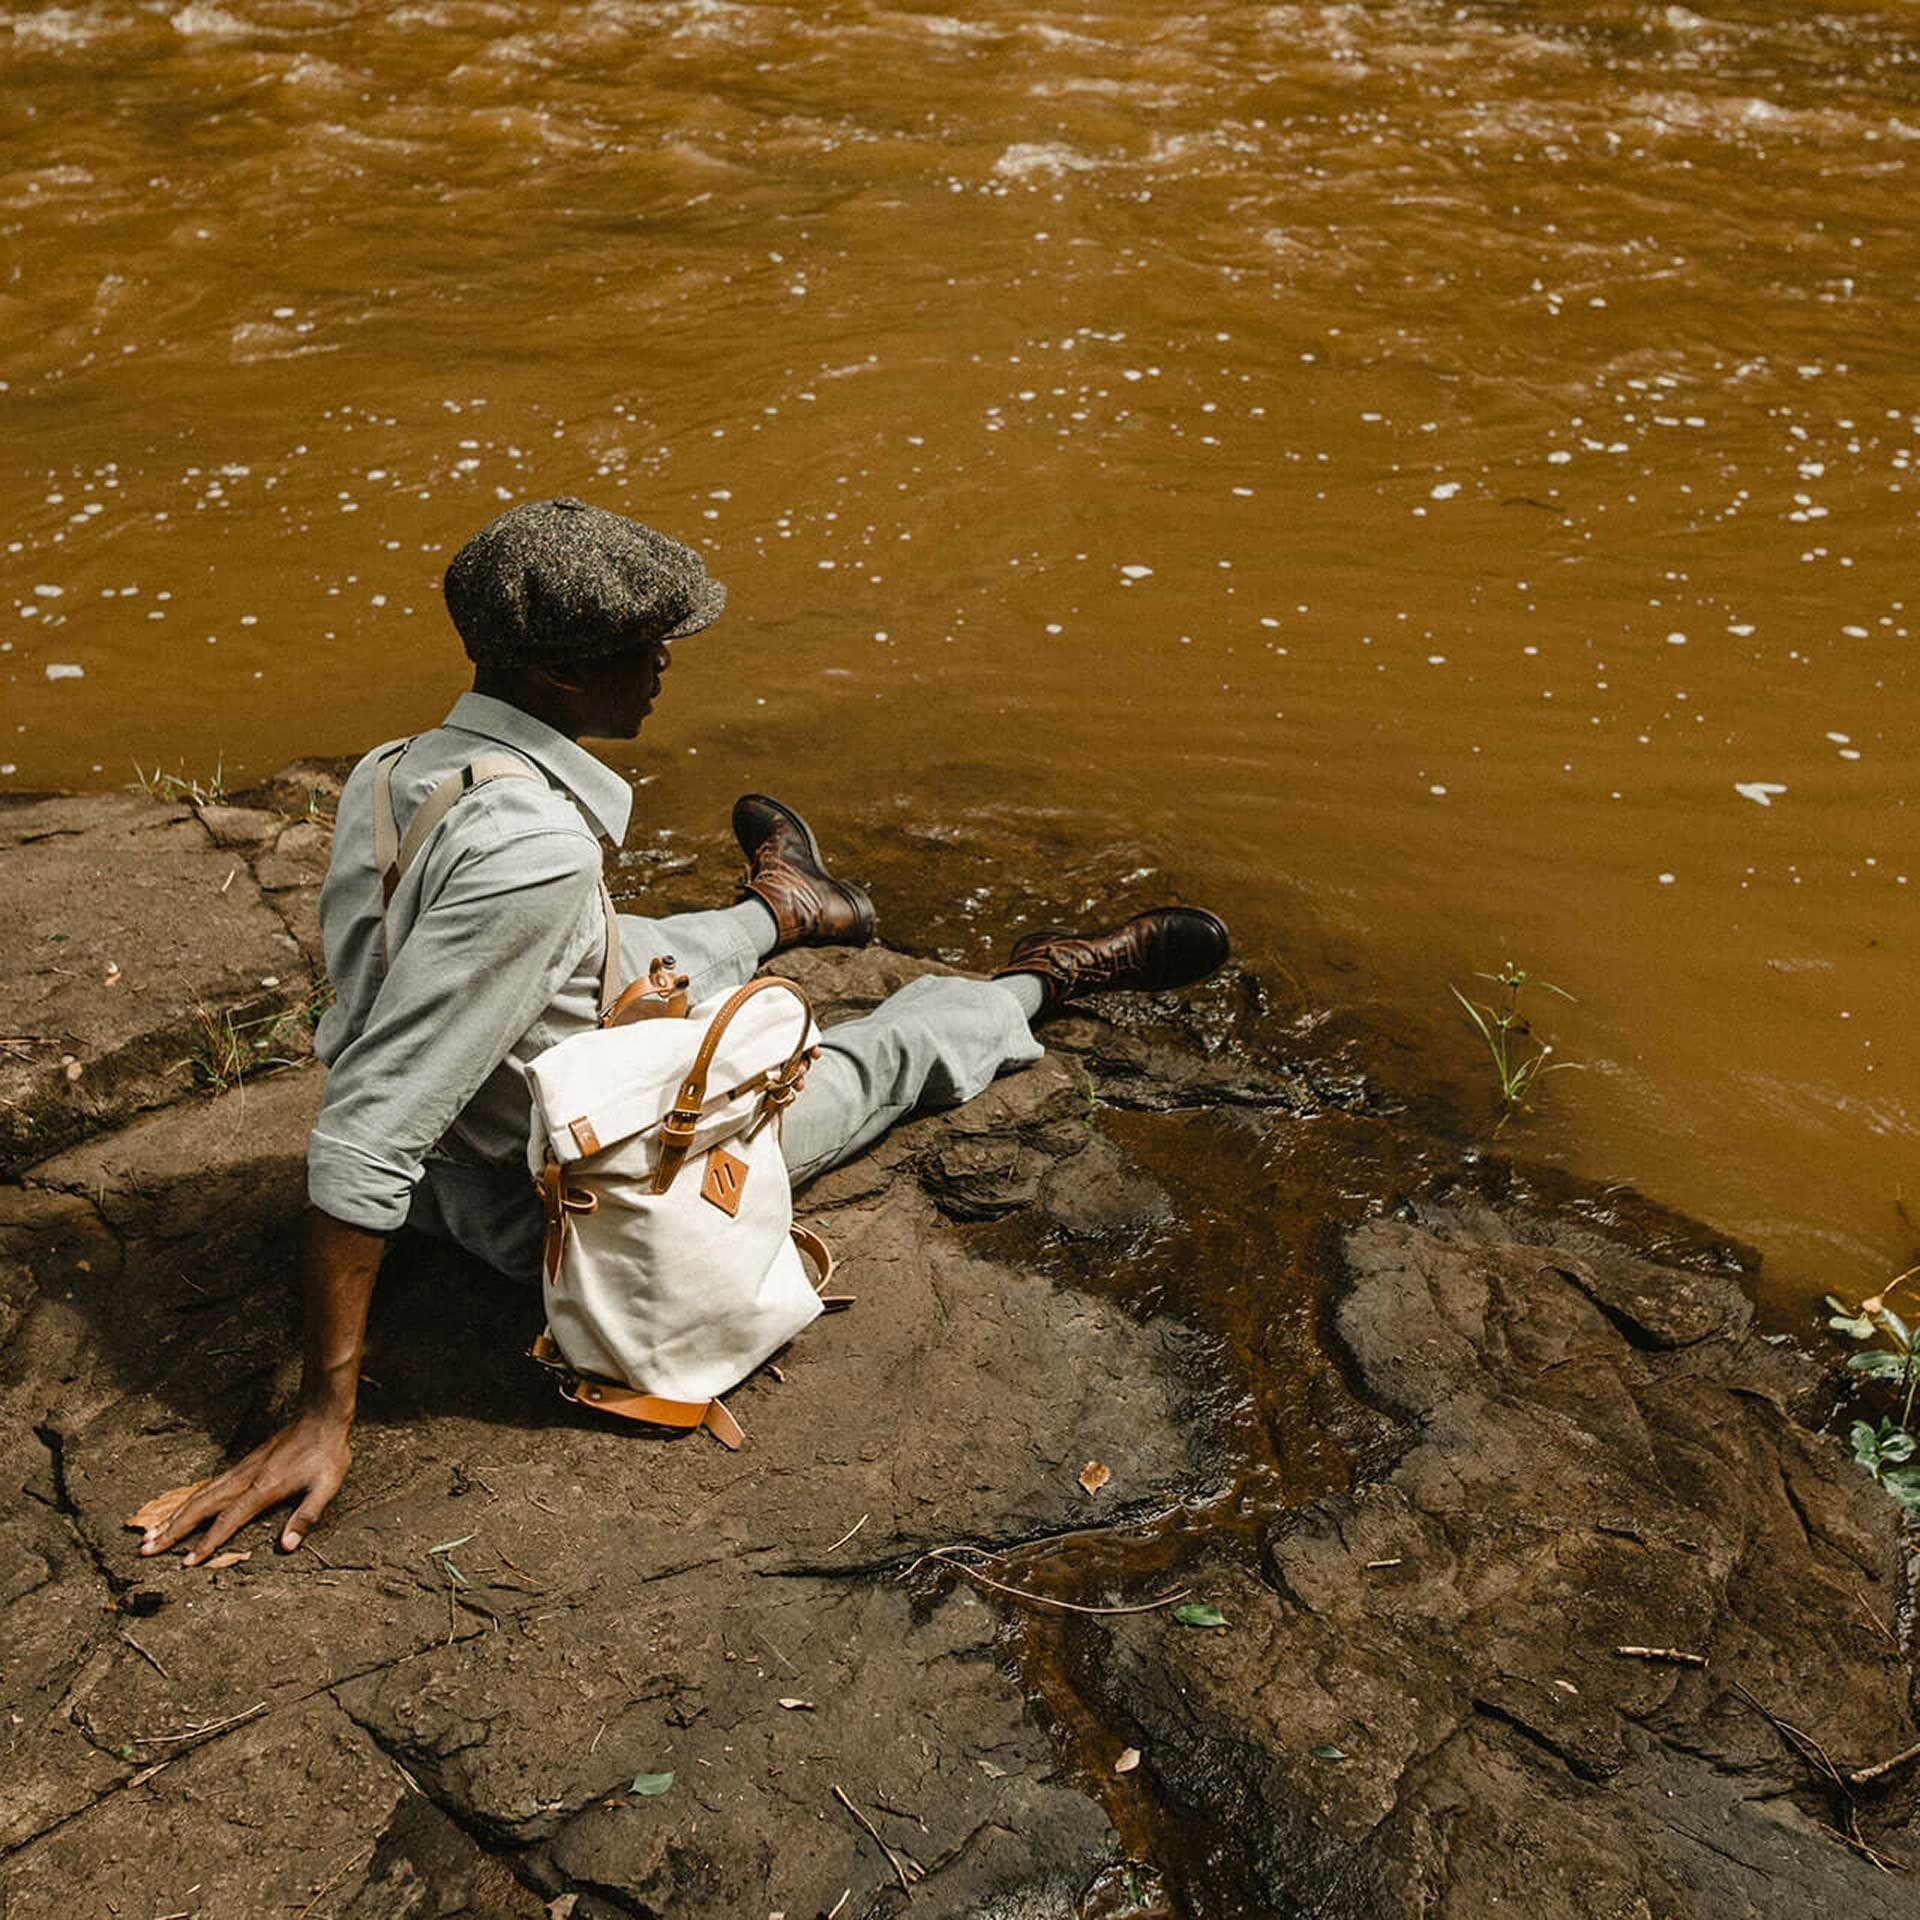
(604, 794)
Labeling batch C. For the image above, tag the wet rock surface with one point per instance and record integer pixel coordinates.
(1434, 1445)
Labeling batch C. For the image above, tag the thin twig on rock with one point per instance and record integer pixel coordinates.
(944, 1555)
(1673, 1654)
(339, 1873)
(850, 1532)
(893, 1859)
(1861, 1775)
(197, 1733)
(144, 1654)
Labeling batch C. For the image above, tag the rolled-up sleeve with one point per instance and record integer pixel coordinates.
(478, 967)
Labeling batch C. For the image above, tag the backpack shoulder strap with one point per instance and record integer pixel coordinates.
(394, 854)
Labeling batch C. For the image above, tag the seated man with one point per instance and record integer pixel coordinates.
(462, 951)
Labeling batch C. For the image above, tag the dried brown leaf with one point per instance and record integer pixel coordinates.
(1129, 1759)
(1094, 1475)
(230, 1558)
(795, 1705)
(163, 1506)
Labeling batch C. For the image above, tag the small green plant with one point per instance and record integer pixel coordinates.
(231, 1048)
(157, 785)
(1520, 1061)
(1884, 1449)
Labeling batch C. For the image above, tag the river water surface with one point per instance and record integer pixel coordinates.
(1435, 482)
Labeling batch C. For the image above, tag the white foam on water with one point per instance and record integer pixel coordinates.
(1137, 573)
(65, 670)
(1760, 792)
(214, 23)
(1027, 157)
(62, 27)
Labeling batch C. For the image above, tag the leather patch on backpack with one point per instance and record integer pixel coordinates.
(724, 1182)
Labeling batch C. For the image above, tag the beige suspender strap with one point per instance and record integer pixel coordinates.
(677, 1129)
(439, 803)
(393, 855)
(386, 834)
(610, 960)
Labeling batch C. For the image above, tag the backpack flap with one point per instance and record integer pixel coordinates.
(605, 1088)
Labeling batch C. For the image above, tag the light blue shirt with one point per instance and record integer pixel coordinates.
(497, 937)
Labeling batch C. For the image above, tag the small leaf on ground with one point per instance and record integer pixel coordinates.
(795, 1705)
(1129, 1759)
(1326, 1753)
(231, 1558)
(990, 1770)
(163, 1506)
(1197, 1614)
(651, 1784)
(1094, 1475)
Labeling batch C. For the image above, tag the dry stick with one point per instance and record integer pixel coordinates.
(1878, 1625)
(841, 1902)
(339, 1874)
(1665, 1653)
(850, 1532)
(1861, 1775)
(197, 1733)
(893, 1859)
(1884, 1861)
(941, 1554)
(144, 1654)
(1810, 1750)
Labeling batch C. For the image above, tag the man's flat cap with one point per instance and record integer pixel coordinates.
(559, 580)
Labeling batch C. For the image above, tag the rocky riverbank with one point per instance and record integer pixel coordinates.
(1435, 1440)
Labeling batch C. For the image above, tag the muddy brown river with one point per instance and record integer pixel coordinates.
(1437, 483)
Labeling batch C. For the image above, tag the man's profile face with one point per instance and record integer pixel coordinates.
(618, 691)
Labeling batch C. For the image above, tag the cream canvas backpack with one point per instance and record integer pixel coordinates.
(672, 1266)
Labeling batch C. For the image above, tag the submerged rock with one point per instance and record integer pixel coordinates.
(1434, 1462)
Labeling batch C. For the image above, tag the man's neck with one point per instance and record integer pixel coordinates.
(523, 688)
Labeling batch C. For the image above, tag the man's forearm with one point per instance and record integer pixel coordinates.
(337, 1288)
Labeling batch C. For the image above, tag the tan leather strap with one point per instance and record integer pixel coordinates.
(824, 1263)
(677, 1129)
(393, 855)
(609, 1396)
(604, 1397)
(662, 995)
(557, 1202)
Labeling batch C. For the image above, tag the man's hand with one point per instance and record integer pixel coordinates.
(305, 1461)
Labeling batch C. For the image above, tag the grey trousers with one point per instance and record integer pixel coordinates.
(937, 1042)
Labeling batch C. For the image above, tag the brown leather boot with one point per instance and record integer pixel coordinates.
(784, 873)
(1164, 947)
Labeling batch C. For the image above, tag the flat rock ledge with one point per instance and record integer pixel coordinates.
(1436, 1446)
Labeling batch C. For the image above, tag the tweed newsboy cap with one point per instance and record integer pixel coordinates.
(559, 580)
